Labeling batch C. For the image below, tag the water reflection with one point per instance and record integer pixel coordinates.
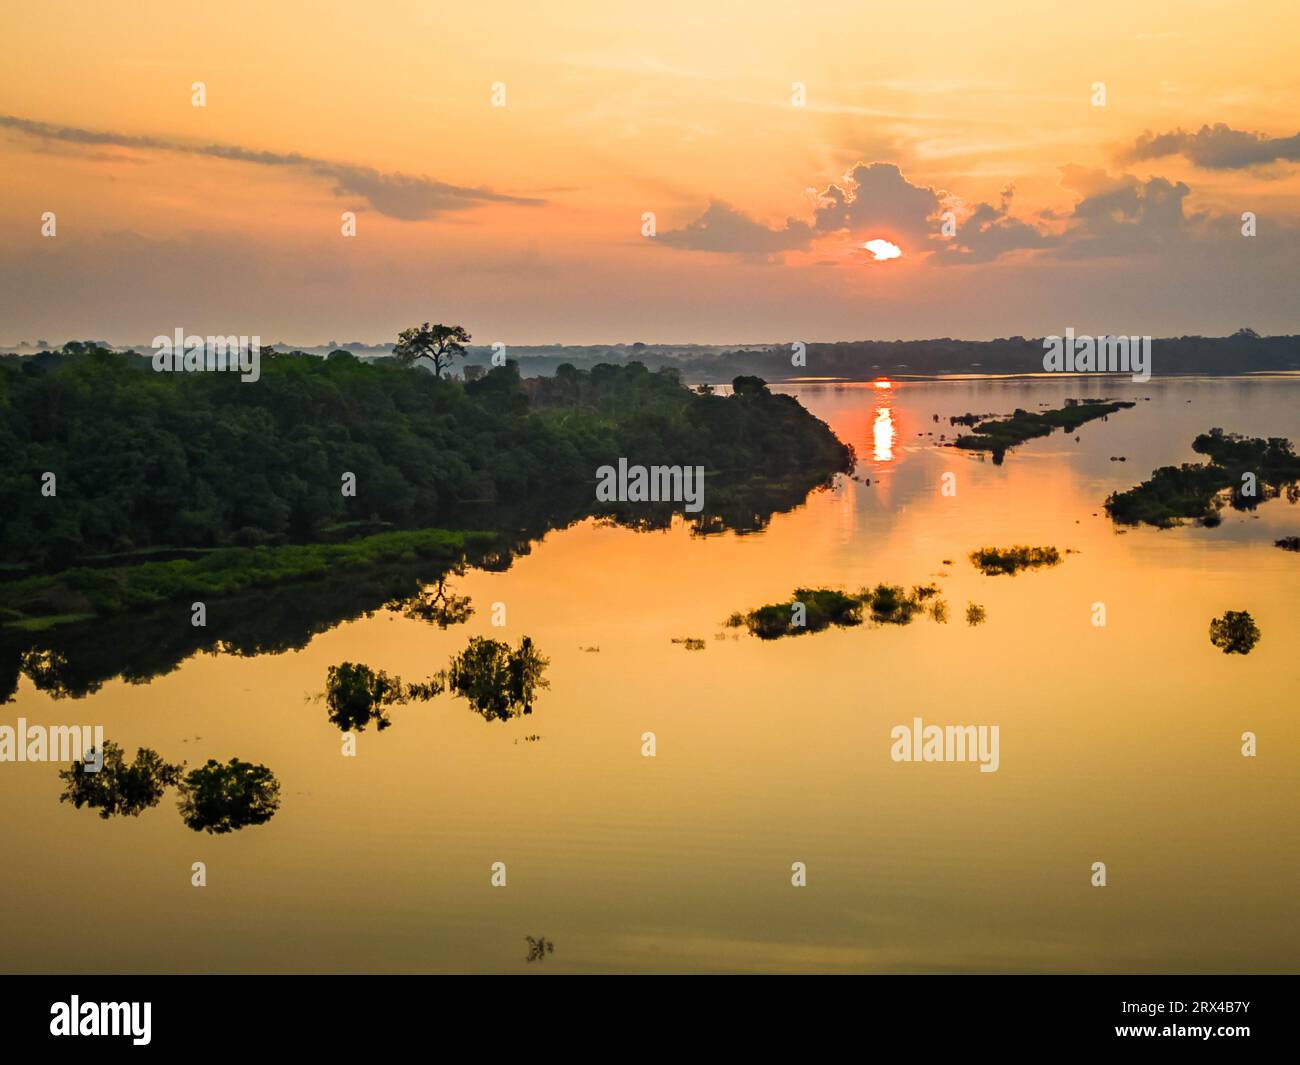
(883, 435)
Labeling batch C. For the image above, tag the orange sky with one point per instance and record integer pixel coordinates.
(523, 222)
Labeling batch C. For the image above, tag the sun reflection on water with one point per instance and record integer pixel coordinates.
(883, 435)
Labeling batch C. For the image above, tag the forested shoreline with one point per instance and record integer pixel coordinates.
(134, 485)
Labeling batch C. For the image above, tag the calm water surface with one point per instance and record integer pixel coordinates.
(1118, 744)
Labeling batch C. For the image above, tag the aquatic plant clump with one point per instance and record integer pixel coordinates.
(1235, 633)
(816, 609)
(500, 682)
(355, 695)
(995, 561)
(218, 798)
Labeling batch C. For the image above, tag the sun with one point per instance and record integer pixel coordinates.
(882, 250)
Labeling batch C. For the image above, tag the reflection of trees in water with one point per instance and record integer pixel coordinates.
(75, 660)
(213, 798)
(499, 682)
(220, 798)
(356, 695)
(436, 604)
(119, 787)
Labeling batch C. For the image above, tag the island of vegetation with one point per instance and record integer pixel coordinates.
(1288, 543)
(1001, 434)
(996, 561)
(815, 609)
(1241, 471)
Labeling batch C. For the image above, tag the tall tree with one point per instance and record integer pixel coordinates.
(438, 343)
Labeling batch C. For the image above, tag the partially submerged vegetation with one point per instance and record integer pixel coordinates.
(995, 561)
(1288, 543)
(1241, 471)
(1235, 633)
(218, 798)
(119, 787)
(815, 609)
(1001, 434)
(498, 681)
(214, 798)
(356, 695)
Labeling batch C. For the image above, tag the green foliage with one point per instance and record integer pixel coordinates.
(37, 602)
(437, 343)
(218, 798)
(355, 695)
(820, 608)
(994, 561)
(1235, 633)
(1190, 492)
(149, 463)
(499, 682)
(999, 435)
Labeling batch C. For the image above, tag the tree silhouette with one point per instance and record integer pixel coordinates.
(220, 798)
(499, 682)
(438, 343)
(119, 788)
(1235, 633)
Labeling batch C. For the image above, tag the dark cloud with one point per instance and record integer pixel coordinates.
(991, 232)
(1217, 147)
(402, 196)
(722, 228)
(876, 200)
(1125, 215)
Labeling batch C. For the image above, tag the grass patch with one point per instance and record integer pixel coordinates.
(80, 594)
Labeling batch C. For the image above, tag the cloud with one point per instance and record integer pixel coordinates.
(1121, 215)
(990, 232)
(1115, 215)
(406, 197)
(1217, 147)
(876, 200)
(722, 228)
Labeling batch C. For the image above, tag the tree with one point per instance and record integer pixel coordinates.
(1235, 633)
(439, 343)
